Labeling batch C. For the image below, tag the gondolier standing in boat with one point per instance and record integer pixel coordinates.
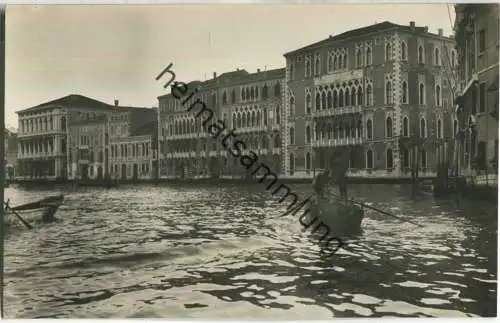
(340, 166)
(320, 182)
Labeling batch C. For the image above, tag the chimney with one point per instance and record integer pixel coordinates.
(258, 70)
(412, 24)
(116, 102)
(215, 75)
(426, 29)
(440, 32)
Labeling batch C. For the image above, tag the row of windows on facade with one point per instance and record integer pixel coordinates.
(251, 143)
(128, 170)
(43, 146)
(39, 124)
(483, 91)
(135, 150)
(344, 98)
(369, 160)
(354, 129)
(241, 119)
(246, 94)
(340, 61)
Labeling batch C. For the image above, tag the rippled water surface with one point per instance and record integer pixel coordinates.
(224, 252)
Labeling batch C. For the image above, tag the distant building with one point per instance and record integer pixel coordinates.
(371, 93)
(10, 149)
(249, 103)
(477, 36)
(70, 137)
(133, 143)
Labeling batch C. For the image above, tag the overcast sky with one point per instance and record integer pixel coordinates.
(108, 52)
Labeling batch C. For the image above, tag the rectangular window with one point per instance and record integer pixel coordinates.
(482, 97)
(482, 40)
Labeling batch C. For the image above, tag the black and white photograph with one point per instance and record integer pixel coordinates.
(266, 161)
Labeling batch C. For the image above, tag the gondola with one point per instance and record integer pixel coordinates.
(41, 210)
(343, 218)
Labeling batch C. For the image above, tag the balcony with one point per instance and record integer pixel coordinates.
(338, 142)
(337, 111)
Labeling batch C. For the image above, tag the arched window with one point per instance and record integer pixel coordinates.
(292, 136)
(369, 129)
(341, 98)
(439, 130)
(420, 55)
(388, 159)
(347, 98)
(318, 131)
(292, 106)
(243, 94)
(388, 127)
(406, 158)
(359, 61)
(455, 127)
(404, 89)
(292, 164)
(335, 99)
(247, 94)
(335, 63)
(406, 130)
(277, 89)
(423, 158)
(318, 101)
(308, 161)
(403, 51)
(452, 58)
(388, 93)
(277, 141)
(329, 101)
(308, 134)
(278, 115)
(233, 96)
(224, 98)
(423, 128)
(388, 52)
(330, 63)
(368, 56)
(264, 114)
(369, 159)
(353, 96)
(323, 100)
(438, 95)
(317, 65)
(369, 95)
(264, 91)
(345, 61)
(421, 94)
(308, 68)
(308, 103)
(360, 95)
(436, 57)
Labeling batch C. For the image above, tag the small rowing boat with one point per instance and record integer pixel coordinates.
(42, 210)
(342, 218)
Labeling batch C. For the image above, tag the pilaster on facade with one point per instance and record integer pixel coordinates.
(397, 98)
(285, 114)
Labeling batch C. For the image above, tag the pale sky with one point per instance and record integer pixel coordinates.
(108, 52)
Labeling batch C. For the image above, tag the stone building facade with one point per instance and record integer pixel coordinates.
(381, 94)
(477, 36)
(249, 103)
(71, 138)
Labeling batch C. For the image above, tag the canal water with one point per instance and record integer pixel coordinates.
(213, 252)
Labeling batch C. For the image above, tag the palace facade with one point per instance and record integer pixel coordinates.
(477, 36)
(250, 103)
(374, 93)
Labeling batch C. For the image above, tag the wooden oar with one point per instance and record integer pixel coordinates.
(7, 207)
(380, 211)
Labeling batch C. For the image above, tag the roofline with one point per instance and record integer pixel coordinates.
(239, 82)
(317, 44)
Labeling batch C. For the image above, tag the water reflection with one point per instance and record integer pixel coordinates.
(224, 252)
